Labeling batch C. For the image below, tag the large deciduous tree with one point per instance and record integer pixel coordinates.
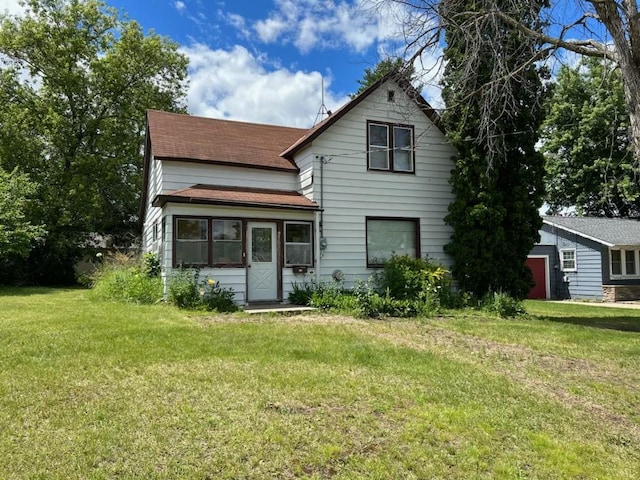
(586, 143)
(498, 175)
(75, 81)
(599, 28)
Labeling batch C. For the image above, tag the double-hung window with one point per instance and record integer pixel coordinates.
(191, 241)
(298, 248)
(227, 242)
(624, 263)
(391, 236)
(568, 260)
(390, 147)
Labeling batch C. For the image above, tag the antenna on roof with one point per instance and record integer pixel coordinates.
(322, 112)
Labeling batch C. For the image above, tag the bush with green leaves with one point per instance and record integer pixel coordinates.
(414, 279)
(502, 304)
(124, 277)
(187, 291)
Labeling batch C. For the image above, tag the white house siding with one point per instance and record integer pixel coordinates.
(231, 277)
(586, 281)
(179, 175)
(152, 214)
(351, 192)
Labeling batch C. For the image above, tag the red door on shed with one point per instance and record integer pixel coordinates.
(538, 267)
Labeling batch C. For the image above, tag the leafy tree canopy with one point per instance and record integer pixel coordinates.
(16, 232)
(382, 68)
(75, 81)
(586, 143)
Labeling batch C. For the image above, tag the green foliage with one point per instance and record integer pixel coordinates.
(302, 292)
(502, 304)
(17, 233)
(586, 143)
(332, 296)
(76, 82)
(382, 68)
(124, 278)
(187, 291)
(372, 304)
(498, 176)
(408, 278)
(151, 263)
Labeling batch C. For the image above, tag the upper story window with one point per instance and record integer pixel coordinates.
(390, 147)
(624, 263)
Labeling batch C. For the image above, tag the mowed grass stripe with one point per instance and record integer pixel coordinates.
(97, 390)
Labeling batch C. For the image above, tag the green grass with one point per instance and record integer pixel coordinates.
(105, 390)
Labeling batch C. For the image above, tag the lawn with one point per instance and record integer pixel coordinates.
(103, 390)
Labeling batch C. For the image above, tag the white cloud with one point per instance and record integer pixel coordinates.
(319, 24)
(180, 6)
(12, 7)
(237, 85)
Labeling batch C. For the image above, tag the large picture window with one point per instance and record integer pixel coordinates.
(298, 248)
(192, 241)
(624, 263)
(390, 147)
(391, 236)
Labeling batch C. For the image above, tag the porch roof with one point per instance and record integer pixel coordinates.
(237, 196)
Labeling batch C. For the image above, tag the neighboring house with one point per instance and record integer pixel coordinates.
(260, 207)
(587, 257)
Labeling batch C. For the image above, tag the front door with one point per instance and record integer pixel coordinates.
(262, 267)
(538, 266)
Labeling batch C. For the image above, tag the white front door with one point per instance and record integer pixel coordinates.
(262, 266)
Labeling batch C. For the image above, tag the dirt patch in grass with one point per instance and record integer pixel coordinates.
(544, 374)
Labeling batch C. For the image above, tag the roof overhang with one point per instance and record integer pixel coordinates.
(583, 235)
(237, 197)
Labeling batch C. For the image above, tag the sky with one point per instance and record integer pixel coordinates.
(265, 61)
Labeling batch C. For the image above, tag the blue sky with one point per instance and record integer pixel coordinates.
(264, 60)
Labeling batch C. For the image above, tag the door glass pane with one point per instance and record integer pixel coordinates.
(261, 243)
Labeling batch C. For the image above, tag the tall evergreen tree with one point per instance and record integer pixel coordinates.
(498, 174)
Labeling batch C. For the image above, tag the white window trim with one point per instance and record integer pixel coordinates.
(575, 260)
(310, 243)
(623, 264)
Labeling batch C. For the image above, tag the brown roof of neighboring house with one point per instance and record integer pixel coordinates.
(177, 136)
(237, 196)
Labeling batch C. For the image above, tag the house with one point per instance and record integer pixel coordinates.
(260, 207)
(587, 257)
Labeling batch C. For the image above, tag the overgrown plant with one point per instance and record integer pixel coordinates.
(125, 277)
(187, 291)
(502, 304)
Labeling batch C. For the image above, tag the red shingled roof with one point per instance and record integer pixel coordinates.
(175, 136)
(237, 196)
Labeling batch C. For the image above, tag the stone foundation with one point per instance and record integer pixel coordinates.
(620, 293)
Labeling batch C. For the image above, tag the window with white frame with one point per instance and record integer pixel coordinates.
(568, 261)
(391, 236)
(390, 147)
(624, 263)
(298, 245)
